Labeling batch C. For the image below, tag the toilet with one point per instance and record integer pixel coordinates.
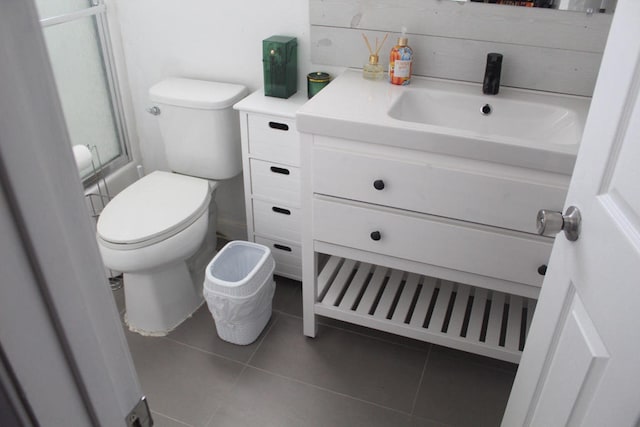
(160, 231)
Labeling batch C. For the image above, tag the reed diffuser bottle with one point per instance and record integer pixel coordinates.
(373, 70)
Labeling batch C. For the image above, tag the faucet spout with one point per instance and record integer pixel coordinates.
(491, 83)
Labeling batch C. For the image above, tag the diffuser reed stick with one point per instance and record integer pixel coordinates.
(378, 47)
(372, 70)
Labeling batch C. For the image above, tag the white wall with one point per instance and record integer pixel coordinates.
(223, 41)
(205, 39)
(544, 49)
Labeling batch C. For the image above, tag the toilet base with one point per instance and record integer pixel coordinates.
(159, 300)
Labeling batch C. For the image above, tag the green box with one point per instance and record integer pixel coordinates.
(280, 65)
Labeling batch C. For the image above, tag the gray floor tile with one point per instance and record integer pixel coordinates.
(341, 361)
(160, 420)
(460, 393)
(183, 383)
(261, 399)
(421, 422)
(200, 331)
(477, 359)
(118, 295)
(288, 296)
(392, 338)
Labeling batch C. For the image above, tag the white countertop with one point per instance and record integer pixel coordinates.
(257, 102)
(352, 107)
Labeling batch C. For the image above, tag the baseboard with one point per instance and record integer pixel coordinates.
(232, 230)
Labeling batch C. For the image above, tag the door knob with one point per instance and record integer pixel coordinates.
(550, 223)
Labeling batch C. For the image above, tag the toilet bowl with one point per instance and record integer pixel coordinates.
(156, 230)
(148, 232)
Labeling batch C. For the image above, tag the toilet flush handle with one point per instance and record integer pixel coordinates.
(155, 110)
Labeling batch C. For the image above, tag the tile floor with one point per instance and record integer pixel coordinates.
(346, 376)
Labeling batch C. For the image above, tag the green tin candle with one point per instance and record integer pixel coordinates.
(316, 81)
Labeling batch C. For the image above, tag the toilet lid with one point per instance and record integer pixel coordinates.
(153, 208)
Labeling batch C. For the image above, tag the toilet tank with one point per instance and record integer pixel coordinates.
(200, 130)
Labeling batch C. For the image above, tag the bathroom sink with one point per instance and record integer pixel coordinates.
(509, 115)
(525, 128)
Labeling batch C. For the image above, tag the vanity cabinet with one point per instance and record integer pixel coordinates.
(271, 173)
(424, 245)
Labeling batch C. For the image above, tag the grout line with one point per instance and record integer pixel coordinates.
(329, 390)
(203, 351)
(264, 336)
(424, 369)
(171, 418)
(245, 365)
(366, 335)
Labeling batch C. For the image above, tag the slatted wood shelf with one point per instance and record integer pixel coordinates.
(456, 315)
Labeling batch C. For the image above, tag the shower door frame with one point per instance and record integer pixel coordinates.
(98, 10)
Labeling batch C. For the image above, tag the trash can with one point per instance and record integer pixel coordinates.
(239, 288)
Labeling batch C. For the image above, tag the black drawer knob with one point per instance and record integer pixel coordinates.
(542, 270)
(375, 235)
(378, 184)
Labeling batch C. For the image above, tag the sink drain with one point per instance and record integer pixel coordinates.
(486, 109)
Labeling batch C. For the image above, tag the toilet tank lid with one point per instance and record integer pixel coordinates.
(201, 94)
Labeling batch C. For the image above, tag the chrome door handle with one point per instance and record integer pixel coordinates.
(550, 223)
(155, 110)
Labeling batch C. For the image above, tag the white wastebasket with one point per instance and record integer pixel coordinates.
(239, 288)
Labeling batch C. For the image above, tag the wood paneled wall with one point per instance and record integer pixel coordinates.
(544, 49)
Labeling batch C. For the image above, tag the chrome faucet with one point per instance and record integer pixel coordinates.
(491, 83)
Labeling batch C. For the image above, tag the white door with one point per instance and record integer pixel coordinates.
(581, 365)
(64, 360)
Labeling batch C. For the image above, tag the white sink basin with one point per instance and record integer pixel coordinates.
(505, 115)
(531, 129)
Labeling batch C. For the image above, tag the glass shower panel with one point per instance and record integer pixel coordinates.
(76, 58)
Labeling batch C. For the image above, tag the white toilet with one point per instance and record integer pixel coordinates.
(154, 231)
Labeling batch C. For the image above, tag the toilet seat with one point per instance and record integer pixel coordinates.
(152, 209)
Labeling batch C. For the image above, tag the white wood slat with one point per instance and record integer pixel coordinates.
(574, 72)
(515, 25)
(477, 314)
(382, 286)
(370, 294)
(514, 322)
(459, 37)
(422, 305)
(339, 282)
(459, 310)
(389, 294)
(404, 304)
(440, 309)
(328, 272)
(531, 308)
(356, 285)
(495, 319)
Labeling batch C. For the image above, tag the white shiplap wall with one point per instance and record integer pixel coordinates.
(543, 49)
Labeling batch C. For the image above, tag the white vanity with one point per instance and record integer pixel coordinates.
(271, 168)
(419, 207)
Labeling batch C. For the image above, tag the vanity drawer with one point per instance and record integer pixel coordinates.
(274, 138)
(276, 220)
(275, 181)
(468, 190)
(501, 254)
(288, 257)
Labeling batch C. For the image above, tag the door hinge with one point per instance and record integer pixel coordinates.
(140, 415)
